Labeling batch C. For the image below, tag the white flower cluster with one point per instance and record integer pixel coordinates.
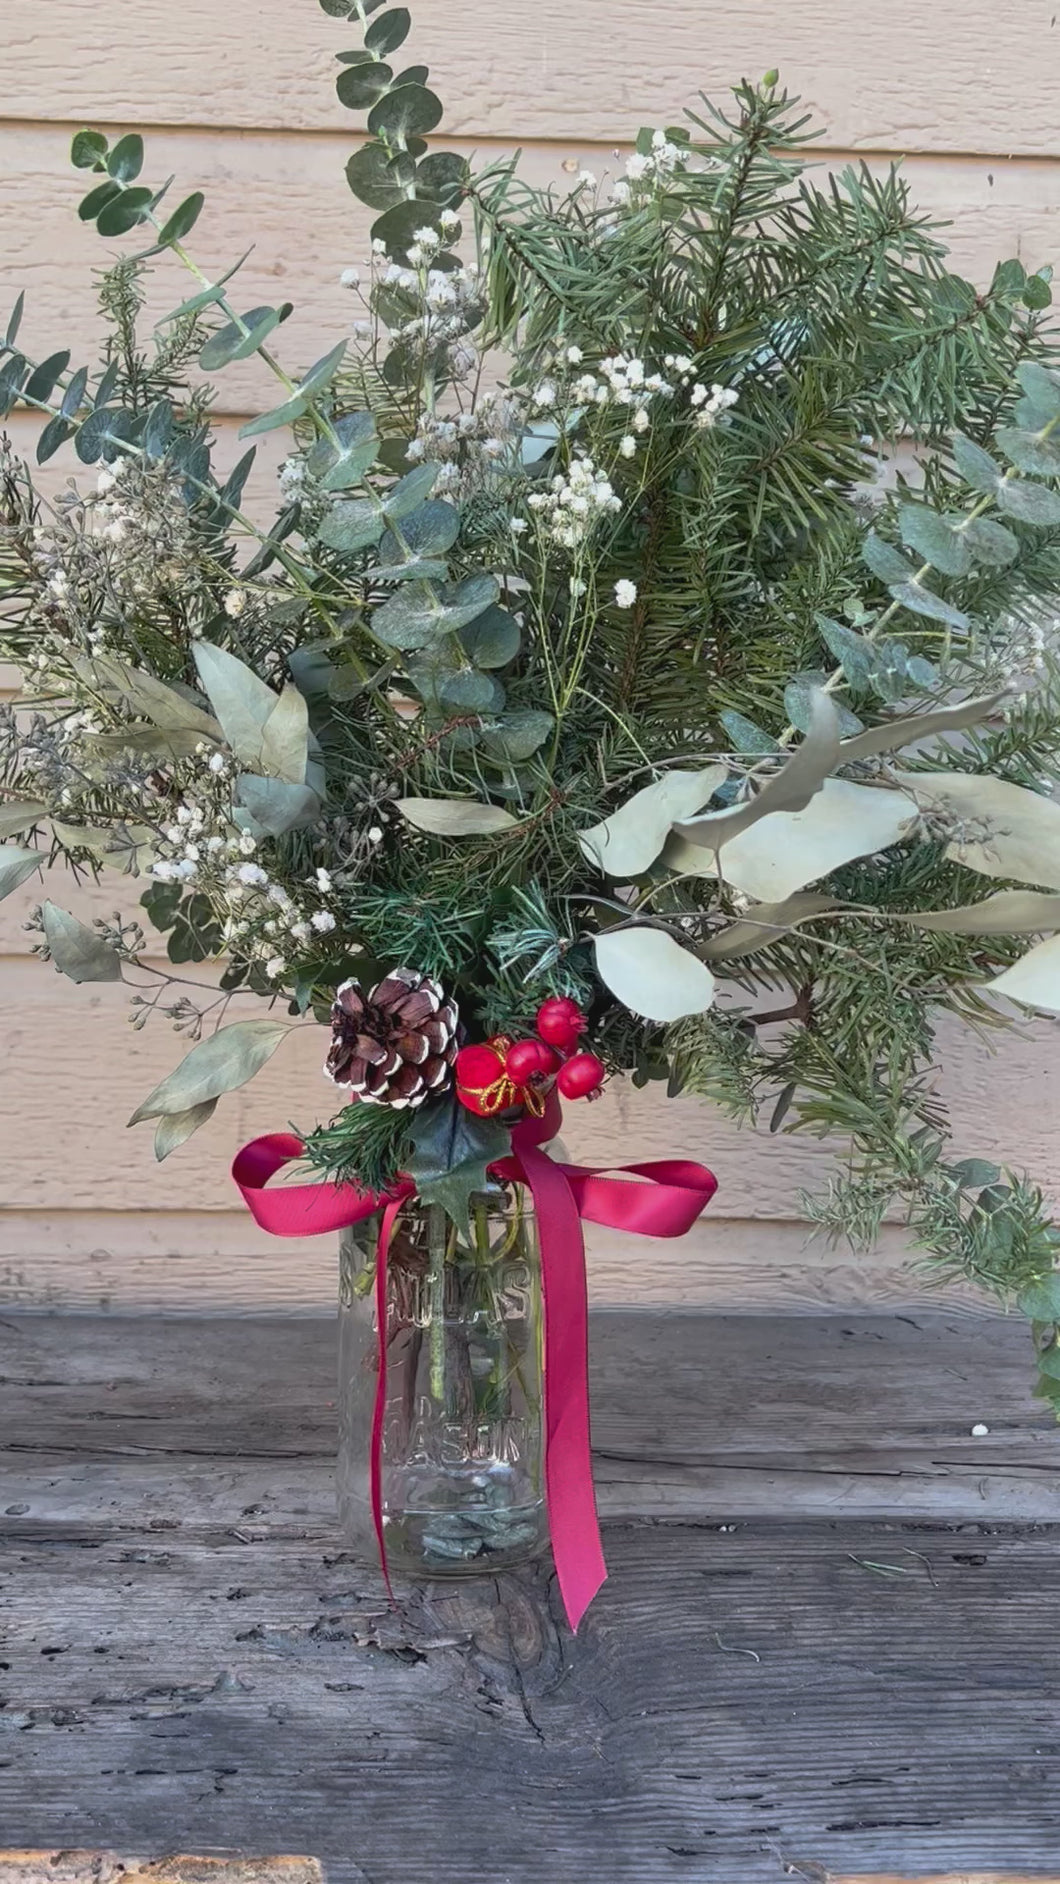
(575, 503)
(468, 446)
(202, 849)
(645, 170)
(711, 406)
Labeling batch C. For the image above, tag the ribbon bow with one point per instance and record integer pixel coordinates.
(564, 1195)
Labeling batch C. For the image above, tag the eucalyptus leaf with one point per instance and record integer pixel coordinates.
(745, 735)
(388, 31)
(277, 804)
(892, 735)
(1040, 385)
(182, 221)
(237, 340)
(782, 853)
(339, 466)
(77, 951)
(175, 1128)
(406, 112)
(789, 789)
(885, 561)
(16, 865)
(74, 396)
(224, 1061)
(16, 816)
(1041, 1299)
(1007, 912)
(126, 160)
(976, 466)
(627, 843)
(653, 975)
(87, 149)
(285, 738)
(379, 178)
(242, 701)
(468, 691)
(765, 923)
(492, 639)
(44, 378)
(162, 705)
(129, 847)
(921, 601)
(1030, 503)
(1012, 832)
(355, 524)
(410, 492)
(442, 175)
(359, 86)
(1029, 451)
(323, 371)
(455, 817)
(519, 734)
(97, 199)
(990, 542)
(935, 539)
(428, 531)
(124, 212)
(285, 414)
(1035, 979)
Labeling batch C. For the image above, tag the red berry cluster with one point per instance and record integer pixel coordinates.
(504, 1073)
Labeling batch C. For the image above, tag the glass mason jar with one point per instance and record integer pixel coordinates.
(463, 1489)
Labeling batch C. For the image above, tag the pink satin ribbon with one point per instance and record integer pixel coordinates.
(564, 1195)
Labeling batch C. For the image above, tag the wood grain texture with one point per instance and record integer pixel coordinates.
(747, 1700)
(896, 77)
(108, 1867)
(693, 1415)
(289, 197)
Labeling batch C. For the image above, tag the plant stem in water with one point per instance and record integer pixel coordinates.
(436, 1249)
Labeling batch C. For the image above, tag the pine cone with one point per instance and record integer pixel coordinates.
(396, 1045)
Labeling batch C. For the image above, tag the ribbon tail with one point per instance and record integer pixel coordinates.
(375, 1465)
(573, 1521)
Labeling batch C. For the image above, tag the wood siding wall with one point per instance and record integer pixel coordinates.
(238, 99)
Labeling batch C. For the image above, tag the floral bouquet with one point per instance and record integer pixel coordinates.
(649, 671)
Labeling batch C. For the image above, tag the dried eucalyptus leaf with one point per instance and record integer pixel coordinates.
(892, 735)
(785, 851)
(173, 712)
(226, 1060)
(653, 975)
(765, 923)
(175, 1128)
(1000, 829)
(1035, 979)
(628, 842)
(78, 951)
(455, 817)
(242, 701)
(1007, 912)
(19, 817)
(277, 804)
(285, 738)
(790, 789)
(16, 865)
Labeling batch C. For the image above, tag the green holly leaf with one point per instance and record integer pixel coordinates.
(453, 1150)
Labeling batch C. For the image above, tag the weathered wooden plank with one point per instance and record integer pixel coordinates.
(107, 1867)
(898, 77)
(745, 1704)
(288, 196)
(693, 1416)
(189, 1649)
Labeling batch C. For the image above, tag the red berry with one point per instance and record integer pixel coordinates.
(580, 1076)
(478, 1070)
(527, 1058)
(560, 1021)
